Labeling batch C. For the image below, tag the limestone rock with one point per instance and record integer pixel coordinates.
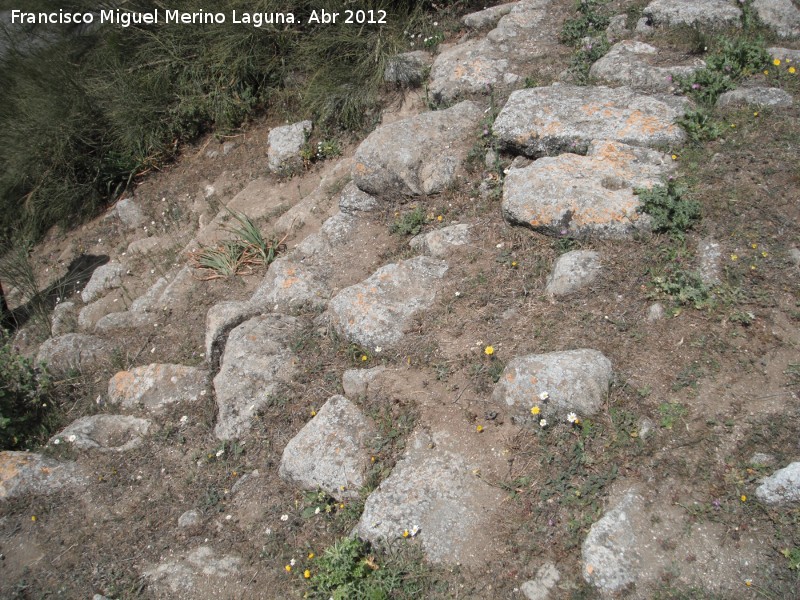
(709, 255)
(782, 15)
(23, 473)
(784, 54)
(417, 155)
(547, 577)
(440, 242)
(757, 96)
(104, 432)
(156, 386)
(572, 271)
(609, 553)
(353, 200)
(331, 452)
(256, 362)
(435, 491)
(116, 321)
(575, 380)
(189, 519)
(176, 290)
(147, 301)
(377, 311)
(104, 278)
(285, 144)
(64, 319)
(408, 68)
(202, 569)
(487, 16)
(356, 382)
(713, 14)
(147, 245)
(794, 255)
(74, 351)
(289, 284)
(546, 121)
(655, 312)
(628, 63)
(781, 487)
(130, 213)
(617, 26)
(220, 319)
(89, 315)
(585, 195)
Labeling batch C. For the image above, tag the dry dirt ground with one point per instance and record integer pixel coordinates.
(714, 384)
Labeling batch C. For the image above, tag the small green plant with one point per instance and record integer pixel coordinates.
(669, 209)
(409, 223)
(670, 413)
(700, 126)
(589, 21)
(586, 54)
(792, 556)
(351, 570)
(684, 287)
(25, 402)
(322, 150)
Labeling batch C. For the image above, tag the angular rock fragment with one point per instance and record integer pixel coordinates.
(154, 387)
(572, 271)
(116, 433)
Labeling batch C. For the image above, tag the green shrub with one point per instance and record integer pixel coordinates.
(669, 210)
(589, 22)
(409, 223)
(700, 126)
(24, 399)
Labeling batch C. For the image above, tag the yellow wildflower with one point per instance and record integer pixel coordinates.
(777, 62)
(307, 574)
(764, 254)
(33, 518)
(743, 498)
(755, 114)
(734, 257)
(792, 70)
(479, 428)
(440, 218)
(535, 410)
(674, 157)
(489, 350)
(406, 533)
(766, 72)
(313, 413)
(363, 358)
(288, 568)
(310, 555)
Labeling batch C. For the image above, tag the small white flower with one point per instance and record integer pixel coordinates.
(268, 531)
(56, 441)
(414, 530)
(543, 423)
(316, 510)
(572, 417)
(284, 517)
(72, 438)
(184, 419)
(292, 562)
(220, 452)
(378, 349)
(544, 396)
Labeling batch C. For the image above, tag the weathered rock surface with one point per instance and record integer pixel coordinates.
(104, 278)
(440, 242)
(256, 362)
(130, 213)
(572, 271)
(285, 144)
(782, 15)
(709, 255)
(175, 290)
(757, 96)
(628, 63)
(73, 351)
(585, 195)
(435, 491)
(547, 578)
(407, 68)
(781, 487)
(220, 320)
(610, 555)
(189, 519)
(289, 284)
(418, 155)
(202, 569)
(497, 60)
(713, 14)
(377, 311)
(356, 382)
(104, 433)
(546, 121)
(24, 473)
(116, 321)
(783, 54)
(353, 200)
(487, 16)
(147, 301)
(64, 319)
(575, 380)
(156, 386)
(331, 452)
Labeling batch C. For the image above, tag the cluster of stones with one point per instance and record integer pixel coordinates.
(592, 148)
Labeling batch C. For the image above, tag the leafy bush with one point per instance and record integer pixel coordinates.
(670, 211)
(700, 126)
(589, 21)
(409, 223)
(24, 399)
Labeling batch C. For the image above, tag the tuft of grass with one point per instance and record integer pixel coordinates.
(589, 21)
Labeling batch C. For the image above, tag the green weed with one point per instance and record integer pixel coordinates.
(671, 212)
(589, 21)
(670, 413)
(410, 222)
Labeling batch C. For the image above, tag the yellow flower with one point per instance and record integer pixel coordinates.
(754, 246)
(406, 533)
(752, 267)
(288, 568)
(748, 582)
(310, 555)
(766, 72)
(743, 498)
(734, 257)
(514, 263)
(489, 350)
(764, 254)
(313, 413)
(372, 459)
(755, 114)
(479, 428)
(535, 410)
(777, 62)
(792, 70)
(341, 505)
(674, 157)
(307, 574)
(363, 358)
(33, 518)
(440, 218)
